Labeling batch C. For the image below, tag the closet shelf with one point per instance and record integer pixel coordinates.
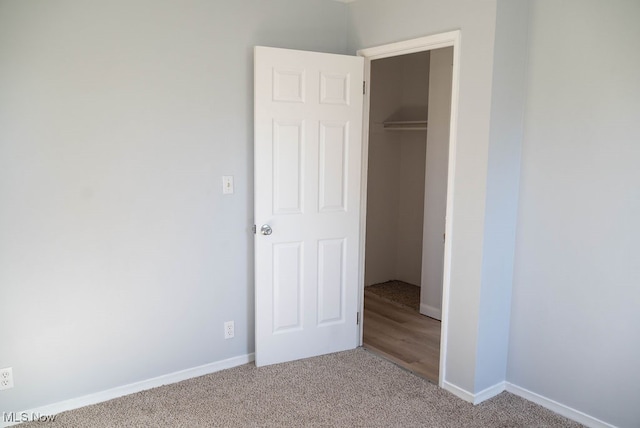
(405, 125)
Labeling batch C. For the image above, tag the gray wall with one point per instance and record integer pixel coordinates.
(575, 335)
(120, 259)
(413, 153)
(383, 165)
(507, 110)
(435, 179)
(395, 183)
(378, 22)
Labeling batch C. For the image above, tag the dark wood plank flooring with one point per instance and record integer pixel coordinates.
(402, 335)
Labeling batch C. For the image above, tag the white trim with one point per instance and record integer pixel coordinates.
(457, 391)
(453, 139)
(554, 406)
(120, 391)
(420, 44)
(558, 408)
(430, 311)
(451, 38)
(490, 392)
(477, 398)
(363, 189)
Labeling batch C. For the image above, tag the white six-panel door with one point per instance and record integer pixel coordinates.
(308, 126)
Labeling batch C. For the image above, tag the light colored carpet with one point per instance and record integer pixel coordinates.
(399, 292)
(347, 389)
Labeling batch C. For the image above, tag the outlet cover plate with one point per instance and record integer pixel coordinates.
(6, 378)
(229, 330)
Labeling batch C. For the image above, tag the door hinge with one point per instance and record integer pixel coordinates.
(253, 229)
(358, 318)
(364, 87)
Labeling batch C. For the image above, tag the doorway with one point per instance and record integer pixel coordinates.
(409, 117)
(328, 182)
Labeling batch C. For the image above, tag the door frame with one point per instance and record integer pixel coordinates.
(436, 41)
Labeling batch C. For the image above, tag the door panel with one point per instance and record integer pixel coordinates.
(331, 281)
(334, 141)
(287, 287)
(308, 124)
(288, 144)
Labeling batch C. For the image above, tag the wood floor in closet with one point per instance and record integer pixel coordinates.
(402, 335)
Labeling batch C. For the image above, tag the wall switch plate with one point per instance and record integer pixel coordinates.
(228, 330)
(6, 378)
(227, 184)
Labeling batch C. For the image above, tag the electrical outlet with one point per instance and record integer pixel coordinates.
(6, 378)
(228, 330)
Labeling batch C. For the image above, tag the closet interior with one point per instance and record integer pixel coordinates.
(410, 103)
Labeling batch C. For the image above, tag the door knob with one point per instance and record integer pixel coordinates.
(266, 229)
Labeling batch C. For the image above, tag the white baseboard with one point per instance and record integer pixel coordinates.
(458, 392)
(490, 392)
(109, 394)
(548, 403)
(430, 311)
(556, 407)
(477, 398)
(119, 391)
